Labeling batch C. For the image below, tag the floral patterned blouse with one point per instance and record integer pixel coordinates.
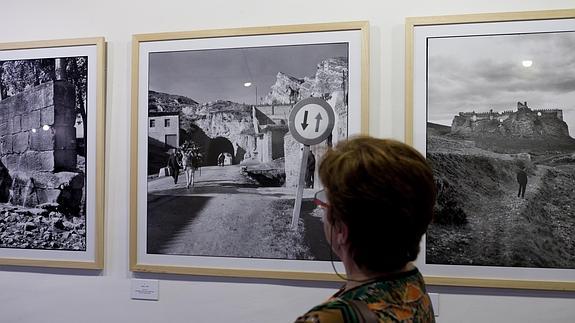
(398, 298)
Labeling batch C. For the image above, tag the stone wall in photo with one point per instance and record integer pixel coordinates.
(38, 147)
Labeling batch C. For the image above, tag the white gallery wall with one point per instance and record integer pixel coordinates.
(52, 295)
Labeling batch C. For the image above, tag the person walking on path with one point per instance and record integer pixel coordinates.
(310, 170)
(173, 165)
(522, 180)
(221, 159)
(188, 164)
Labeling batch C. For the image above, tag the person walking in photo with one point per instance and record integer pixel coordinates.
(522, 180)
(310, 170)
(221, 159)
(173, 165)
(189, 169)
(377, 203)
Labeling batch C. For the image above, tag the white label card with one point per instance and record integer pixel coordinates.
(145, 289)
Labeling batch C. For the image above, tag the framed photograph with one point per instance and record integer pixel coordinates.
(490, 101)
(214, 167)
(52, 153)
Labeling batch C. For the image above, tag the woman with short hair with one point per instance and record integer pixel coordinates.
(378, 201)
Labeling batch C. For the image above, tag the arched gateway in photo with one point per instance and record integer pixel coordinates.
(217, 146)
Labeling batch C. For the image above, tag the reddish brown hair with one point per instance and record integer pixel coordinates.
(384, 191)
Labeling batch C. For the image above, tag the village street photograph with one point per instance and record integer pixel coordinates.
(222, 166)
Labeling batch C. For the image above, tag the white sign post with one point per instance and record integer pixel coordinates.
(311, 121)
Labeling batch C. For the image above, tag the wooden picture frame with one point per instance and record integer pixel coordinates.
(209, 79)
(466, 80)
(52, 152)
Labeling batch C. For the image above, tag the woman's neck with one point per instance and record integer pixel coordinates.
(357, 277)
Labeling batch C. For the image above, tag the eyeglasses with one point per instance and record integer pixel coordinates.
(320, 199)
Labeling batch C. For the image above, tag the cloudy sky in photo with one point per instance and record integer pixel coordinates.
(480, 73)
(220, 74)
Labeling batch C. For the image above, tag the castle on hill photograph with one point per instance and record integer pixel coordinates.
(523, 122)
(500, 140)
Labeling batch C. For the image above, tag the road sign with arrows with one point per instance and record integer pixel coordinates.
(311, 121)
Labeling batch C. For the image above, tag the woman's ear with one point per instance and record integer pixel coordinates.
(341, 232)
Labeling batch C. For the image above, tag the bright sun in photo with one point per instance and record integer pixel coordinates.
(527, 63)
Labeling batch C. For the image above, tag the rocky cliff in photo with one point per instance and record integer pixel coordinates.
(330, 77)
(220, 126)
(164, 102)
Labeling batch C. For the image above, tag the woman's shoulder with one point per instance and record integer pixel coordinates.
(333, 311)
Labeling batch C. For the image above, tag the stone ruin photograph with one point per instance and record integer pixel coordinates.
(500, 139)
(222, 115)
(42, 153)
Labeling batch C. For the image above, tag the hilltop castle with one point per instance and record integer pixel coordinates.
(524, 122)
(503, 115)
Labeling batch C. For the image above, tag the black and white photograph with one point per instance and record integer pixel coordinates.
(219, 169)
(48, 158)
(43, 155)
(500, 139)
(222, 166)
